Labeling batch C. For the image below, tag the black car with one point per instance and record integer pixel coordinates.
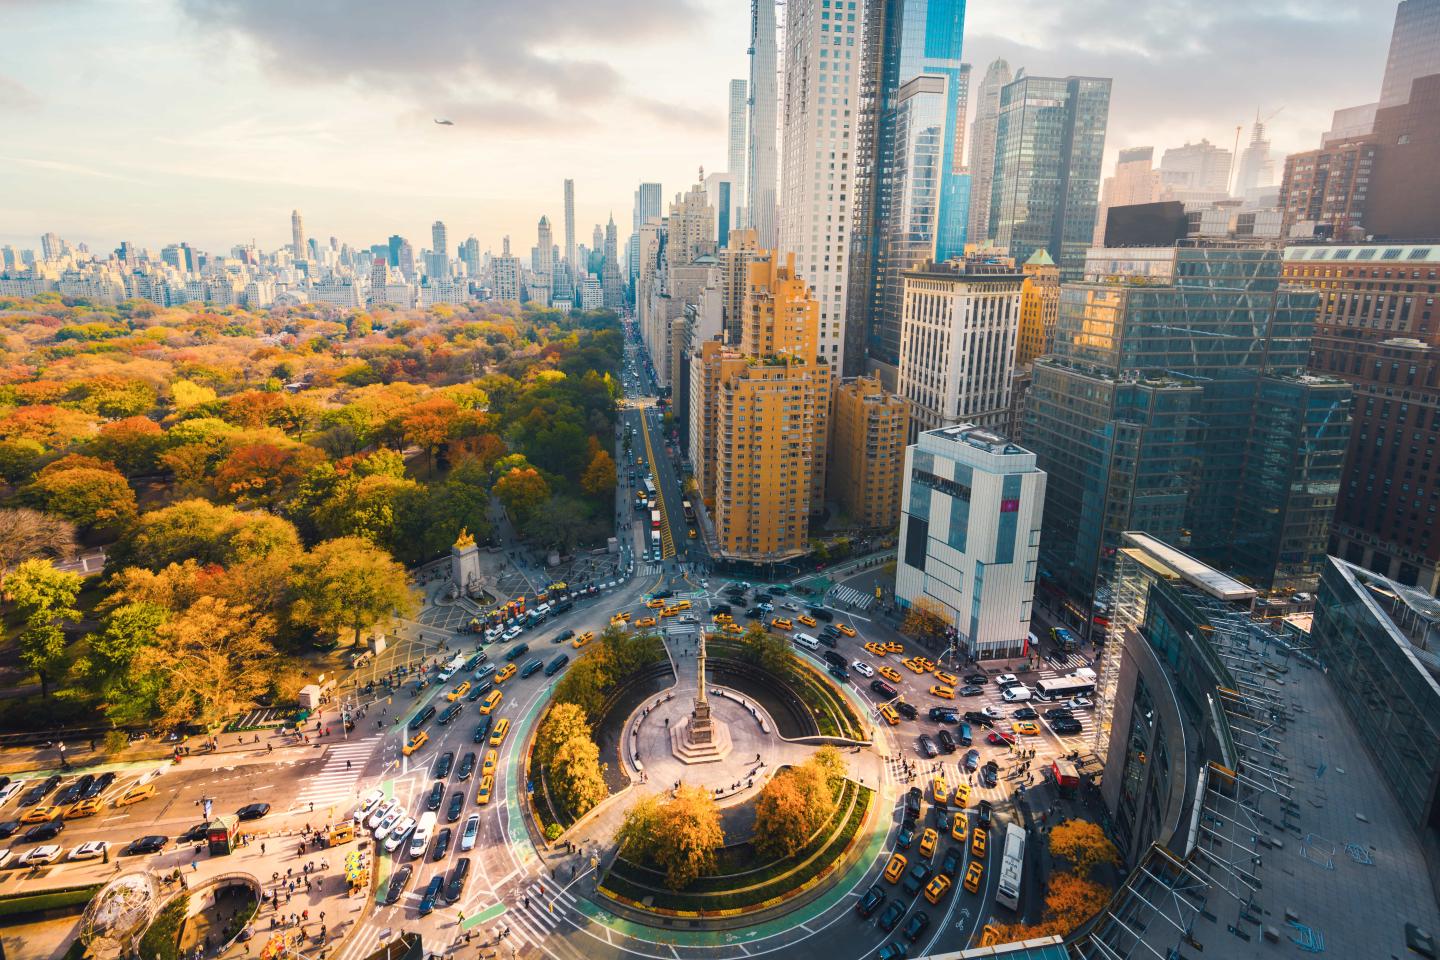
(969, 691)
(473, 662)
(516, 652)
(954, 860)
(530, 668)
(986, 811)
(833, 658)
(891, 951)
(927, 747)
(8, 827)
(436, 795)
(37, 793)
(421, 717)
(1066, 727)
(75, 791)
(151, 844)
(253, 811)
(467, 767)
(195, 834)
(839, 673)
(1054, 713)
(456, 885)
(972, 760)
(873, 899)
(947, 741)
(906, 710)
(891, 917)
(441, 846)
(662, 594)
(99, 786)
(457, 805)
(449, 713)
(943, 714)
(821, 614)
(912, 802)
(977, 678)
(764, 597)
(443, 763)
(397, 883)
(431, 894)
(884, 689)
(564, 635)
(918, 923)
(755, 613)
(989, 774)
(829, 631)
(1025, 713)
(916, 879)
(721, 608)
(906, 836)
(44, 831)
(482, 730)
(975, 716)
(828, 638)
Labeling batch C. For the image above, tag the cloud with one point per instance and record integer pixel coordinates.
(66, 167)
(14, 95)
(507, 62)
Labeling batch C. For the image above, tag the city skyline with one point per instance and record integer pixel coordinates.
(355, 148)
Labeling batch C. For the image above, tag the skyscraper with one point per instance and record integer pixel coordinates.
(647, 208)
(439, 252)
(1414, 49)
(506, 274)
(297, 236)
(1257, 169)
(1196, 171)
(470, 255)
(982, 148)
(1050, 140)
(394, 244)
(1135, 181)
(822, 73)
(544, 246)
(763, 169)
(912, 188)
(735, 155)
(869, 427)
(610, 283)
(570, 225)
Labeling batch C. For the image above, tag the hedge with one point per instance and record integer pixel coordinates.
(21, 904)
(162, 938)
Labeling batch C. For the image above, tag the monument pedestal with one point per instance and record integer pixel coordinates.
(712, 746)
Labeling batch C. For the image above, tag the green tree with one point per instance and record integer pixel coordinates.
(129, 695)
(349, 584)
(560, 525)
(522, 491)
(769, 651)
(91, 496)
(44, 597)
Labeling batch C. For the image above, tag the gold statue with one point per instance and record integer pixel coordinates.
(464, 540)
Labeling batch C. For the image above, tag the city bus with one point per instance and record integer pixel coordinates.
(649, 489)
(654, 519)
(1007, 893)
(1064, 639)
(655, 541)
(1063, 688)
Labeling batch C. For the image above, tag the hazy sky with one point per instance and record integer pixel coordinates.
(208, 120)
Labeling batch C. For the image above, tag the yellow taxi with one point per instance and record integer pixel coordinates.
(41, 814)
(669, 611)
(915, 664)
(894, 646)
(978, 838)
(940, 790)
(846, 629)
(928, 839)
(973, 874)
(889, 673)
(505, 673)
(722, 618)
(782, 623)
(502, 727)
(619, 618)
(942, 691)
(875, 649)
(681, 604)
(492, 760)
(959, 826)
(895, 869)
(949, 679)
(1027, 728)
(888, 712)
(482, 796)
(492, 701)
(962, 795)
(925, 663)
(692, 534)
(583, 639)
(85, 808)
(806, 619)
(135, 795)
(655, 604)
(459, 691)
(734, 628)
(937, 888)
(416, 742)
(645, 622)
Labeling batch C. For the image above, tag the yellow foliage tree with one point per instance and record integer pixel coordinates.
(1084, 844)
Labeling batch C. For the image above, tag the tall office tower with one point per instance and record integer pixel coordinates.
(505, 281)
(298, 246)
(969, 536)
(762, 172)
(957, 341)
(544, 247)
(647, 207)
(610, 281)
(982, 148)
(1176, 401)
(1257, 169)
(1197, 171)
(1039, 308)
(53, 246)
(470, 256)
(1049, 141)
(723, 196)
(869, 428)
(1328, 188)
(379, 278)
(570, 225)
(770, 414)
(911, 187)
(1414, 49)
(1378, 329)
(735, 155)
(406, 257)
(1135, 181)
(439, 268)
(394, 244)
(690, 227)
(1405, 190)
(822, 72)
(741, 250)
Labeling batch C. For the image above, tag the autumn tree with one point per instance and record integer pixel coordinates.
(132, 444)
(429, 424)
(44, 598)
(599, 477)
(260, 472)
(577, 776)
(793, 805)
(563, 722)
(91, 494)
(523, 491)
(349, 584)
(207, 532)
(769, 651)
(679, 836)
(1083, 844)
(28, 534)
(925, 619)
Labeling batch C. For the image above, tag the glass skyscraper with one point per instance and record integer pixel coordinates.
(1177, 402)
(1049, 142)
(912, 191)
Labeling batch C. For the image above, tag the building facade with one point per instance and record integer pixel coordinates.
(1414, 49)
(960, 320)
(1039, 308)
(1135, 181)
(735, 153)
(869, 428)
(1405, 195)
(762, 173)
(982, 148)
(1050, 141)
(1196, 171)
(1329, 188)
(970, 536)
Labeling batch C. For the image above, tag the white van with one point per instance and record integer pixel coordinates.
(1017, 694)
(423, 829)
(806, 641)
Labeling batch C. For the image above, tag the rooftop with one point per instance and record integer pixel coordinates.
(1189, 569)
(1391, 254)
(979, 438)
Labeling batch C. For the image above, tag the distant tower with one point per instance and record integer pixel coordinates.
(764, 168)
(1414, 49)
(1257, 169)
(613, 292)
(735, 156)
(297, 236)
(439, 252)
(570, 225)
(544, 248)
(982, 148)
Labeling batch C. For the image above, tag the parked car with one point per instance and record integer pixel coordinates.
(39, 856)
(148, 844)
(44, 831)
(89, 850)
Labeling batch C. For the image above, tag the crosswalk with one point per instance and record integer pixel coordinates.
(538, 910)
(336, 780)
(852, 598)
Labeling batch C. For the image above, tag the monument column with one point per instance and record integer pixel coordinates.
(700, 738)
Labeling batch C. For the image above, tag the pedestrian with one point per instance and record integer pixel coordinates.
(262, 849)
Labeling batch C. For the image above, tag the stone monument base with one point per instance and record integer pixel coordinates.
(713, 751)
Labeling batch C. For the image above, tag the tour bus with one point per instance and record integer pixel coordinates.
(1011, 867)
(649, 489)
(655, 540)
(1063, 688)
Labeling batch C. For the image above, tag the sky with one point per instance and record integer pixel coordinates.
(208, 121)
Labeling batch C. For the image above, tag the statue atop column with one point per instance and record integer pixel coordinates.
(700, 738)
